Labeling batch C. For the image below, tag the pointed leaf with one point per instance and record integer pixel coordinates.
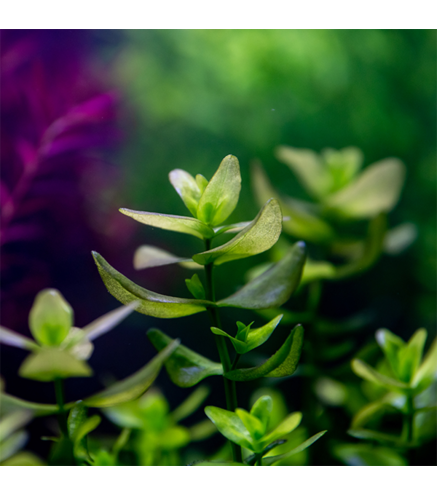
(38, 409)
(262, 409)
(195, 286)
(282, 363)
(190, 404)
(271, 461)
(273, 287)
(185, 367)
(411, 355)
(391, 344)
(259, 236)
(48, 364)
(230, 426)
(151, 303)
(376, 190)
(427, 372)
(220, 196)
(290, 423)
(187, 188)
(9, 337)
(135, 385)
(365, 371)
(185, 225)
(150, 256)
(252, 423)
(50, 318)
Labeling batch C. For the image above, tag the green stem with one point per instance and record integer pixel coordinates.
(230, 388)
(259, 460)
(62, 415)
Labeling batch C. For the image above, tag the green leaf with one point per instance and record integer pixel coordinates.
(383, 438)
(150, 256)
(427, 372)
(50, 318)
(202, 430)
(262, 410)
(391, 344)
(253, 425)
(290, 423)
(9, 337)
(195, 286)
(187, 188)
(374, 410)
(185, 367)
(190, 404)
(13, 422)
(38, 409)
(230, 426)
(259, 236)
(368, 455)
(151, 303)
(343, 165)
(185, 225)
(254, 337)
(317, 270)
(283, 363)
(411, 355)
(77, 415)
(273, 460)
(365, 371)
(13, 444)
(232, 228)
(202, 182)
(220, 196)
(135, 385)
(376, 190)
(274, 286)
(48, 364)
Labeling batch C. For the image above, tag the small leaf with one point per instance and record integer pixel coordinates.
(373, 410)
(290, 423)
(262, 410)
(391, 344)
(253, 425)
(50, 318)
(376, 190)
(259, 236)
(220, 196)
(383, 438)
(427, 372)
(150, 256)
(185, 367)
(195, 286)
(48, 364)
(365, 371)
(185, 225)
(273, 460)
(77, 415)
(135, 385)
(282, 363)
(13, 444)
(411, 355)
(9, 337)
(190, 404)
(151, 303)
(230, 426)
(13, 422)
(187, 188)
(274, 286)
(360, 454)
(38, 409)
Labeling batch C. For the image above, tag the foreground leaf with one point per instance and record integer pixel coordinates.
(185, 367)
(230, 426)
(259, 236)
(273, 287)
(187, 188)
(151, 256)
(150, 303)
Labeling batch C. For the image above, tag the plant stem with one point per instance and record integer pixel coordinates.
(230, 388)
(62, 415)
(259, 460)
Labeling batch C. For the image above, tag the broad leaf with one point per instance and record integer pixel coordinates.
(273, 460)
(187, 188)
(185, 225)
(50, 318)
(259, 236)
(230, 426)
(262, 410)
(9, 337)
(150, 256)
(283, 363)
(220, 196)
(365, 371)
(290, 423)
(253, 425)
(273, 287)
(374, 410)
(108, 321)
(376, 190)
(50, 363)
(135, 385)
(151, 303)
(185, 367)
(254, 338)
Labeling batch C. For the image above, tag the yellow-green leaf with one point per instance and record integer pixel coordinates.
(187, 188)
(150, 256)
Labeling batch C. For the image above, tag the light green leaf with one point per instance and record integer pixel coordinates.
(13, 422)
(185, 367)
(187, 188)
(317, 270)
(259, 236)
(373, 410)
(185, 225)
(290, 423)
(77, 415)
(232, 228)
(365, 371)
(48, 364)
(202, 430)
(274, 286)
(343, 165)
(50, 318)
(376, 190)
(24, 459)
(151, 303)
(190, 404)
(150, 256)
(38, 409)
(273, 460)
(254, 337)
(411, 355)
(220, 196)
(427, 372)
(253, 425)
(262, 410)
(391, 344)
(230, 426)
(9, 337)
(283, 363)
(202, 182)
(195, 286)
(13, 444)
(133, 386)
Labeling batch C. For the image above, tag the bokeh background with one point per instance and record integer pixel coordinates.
(92, 121)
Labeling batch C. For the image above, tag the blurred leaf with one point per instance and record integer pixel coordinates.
(24, 459)
(410, 355)
(391, 344)
(13, 421)
(187, 188)
(151, 303)
(220, 196)
(273, 287)
(427, 372)
(185, 367)
(262, 410)
(195, 286)
(48, 364)
(330, 392)
(283, 363)
(317, 270)
(286, 426)
(253, 425)
(273, 460)
(9, 337)
(202, 430)
(174, 437)
(150, 256)
(383, 438)
(185, 225)
(360, 454)
(365, 371)
(50, 318)
(371, 411)
(190, 404)
(230, 426)
(376, 190)
(257, 237)
(135, 385)
(400, 238)
(13, 444)
(343, 165)
(38, 409)
(217, 463)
